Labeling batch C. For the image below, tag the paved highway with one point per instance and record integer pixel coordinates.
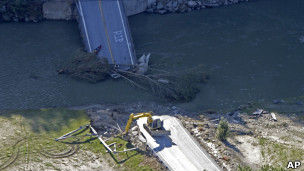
(179, 151)
(104, 23)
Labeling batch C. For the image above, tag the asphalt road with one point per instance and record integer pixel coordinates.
(103, 22)
(179, 151)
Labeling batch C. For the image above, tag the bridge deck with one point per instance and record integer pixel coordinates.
(104, 23)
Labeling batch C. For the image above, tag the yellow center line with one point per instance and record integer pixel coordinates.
(106, 30)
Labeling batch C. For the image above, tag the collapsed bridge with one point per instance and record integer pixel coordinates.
(105, 30)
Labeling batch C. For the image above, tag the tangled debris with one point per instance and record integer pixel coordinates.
(178, 86)
(181, 86)
(88, 67)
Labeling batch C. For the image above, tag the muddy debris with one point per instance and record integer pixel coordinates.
(87, 66)
(178, 86)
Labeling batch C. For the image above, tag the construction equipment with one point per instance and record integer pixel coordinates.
(154, 127)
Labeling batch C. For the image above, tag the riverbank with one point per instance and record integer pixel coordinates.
(256, 140)
(27, 143)
(37, 10)
(182, 6)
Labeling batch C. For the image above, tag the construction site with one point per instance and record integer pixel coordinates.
(114, 137)
(162, 137)
(168, 89)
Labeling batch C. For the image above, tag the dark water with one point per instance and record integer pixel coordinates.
(251, 50)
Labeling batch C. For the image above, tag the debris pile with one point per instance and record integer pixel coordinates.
(88, 67)
(179, 86)
(174, 86)
(107, 122)
(111, 123)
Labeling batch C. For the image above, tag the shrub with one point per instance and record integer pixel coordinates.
(244, 168)
(222, 130)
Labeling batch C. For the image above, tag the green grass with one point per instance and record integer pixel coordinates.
(263, 168)
(51, 121)
(244, 168)
(271, 168)
(37, 130)
(279, 154)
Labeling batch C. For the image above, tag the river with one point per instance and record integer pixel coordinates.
(252, 52)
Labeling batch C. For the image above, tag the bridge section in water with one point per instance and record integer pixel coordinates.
(104, 26)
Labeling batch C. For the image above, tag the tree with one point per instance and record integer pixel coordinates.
(222, 130)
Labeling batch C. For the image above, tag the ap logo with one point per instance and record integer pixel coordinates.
(293, 165)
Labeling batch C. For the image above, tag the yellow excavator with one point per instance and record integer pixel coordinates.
(153, 127)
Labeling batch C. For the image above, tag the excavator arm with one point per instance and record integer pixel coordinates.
(136, 116)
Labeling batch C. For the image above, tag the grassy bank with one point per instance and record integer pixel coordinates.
(27, 138)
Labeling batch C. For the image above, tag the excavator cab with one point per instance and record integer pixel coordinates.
(156, 128)
(156, 124)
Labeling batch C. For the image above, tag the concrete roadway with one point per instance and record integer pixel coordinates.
(179, 151)
(103, 22)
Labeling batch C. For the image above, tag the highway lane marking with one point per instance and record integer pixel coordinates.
(84, 24)
(106, 31)
(124, 28)
(167, 155)
(193, 142)
(151, 140)
(176, 126)
(118, 37)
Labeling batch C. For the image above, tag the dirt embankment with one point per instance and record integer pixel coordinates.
(28, 143)
(254, 141)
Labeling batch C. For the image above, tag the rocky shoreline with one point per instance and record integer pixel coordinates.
(182, 6)
(37, 10)
(21, 11)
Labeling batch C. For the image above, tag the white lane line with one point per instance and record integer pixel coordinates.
(194, 143)
(151, 142)
(124, 28)
(84, 25)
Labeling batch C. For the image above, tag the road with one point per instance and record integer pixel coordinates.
(179, 151)
(104, 23)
